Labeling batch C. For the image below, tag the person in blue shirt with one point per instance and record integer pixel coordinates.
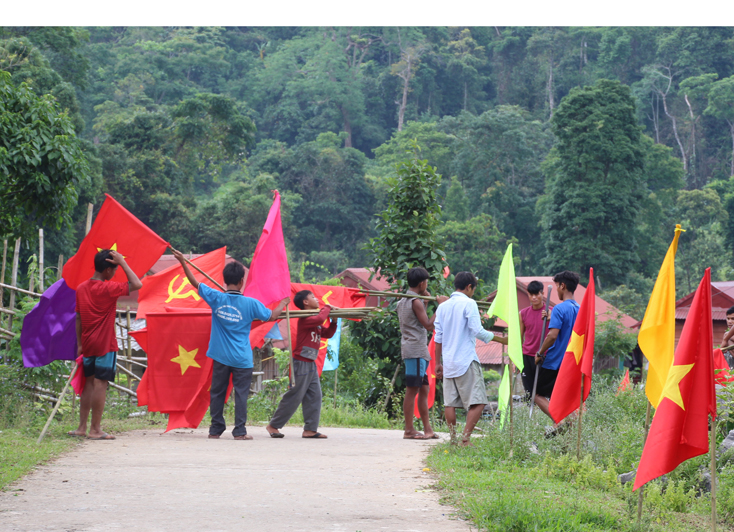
(229, 343)
(550, 355)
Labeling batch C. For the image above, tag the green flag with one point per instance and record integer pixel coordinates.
(505, 308)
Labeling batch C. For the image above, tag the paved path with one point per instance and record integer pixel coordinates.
(357, 480)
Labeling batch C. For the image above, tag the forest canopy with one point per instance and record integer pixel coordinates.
(582, 145)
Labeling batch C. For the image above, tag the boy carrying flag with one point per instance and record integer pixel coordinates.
(307, 390)
(229, 343)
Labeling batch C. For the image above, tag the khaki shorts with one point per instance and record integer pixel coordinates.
(467, 390)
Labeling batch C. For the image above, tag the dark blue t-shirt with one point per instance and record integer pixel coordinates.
(562, 318)
(232, 316)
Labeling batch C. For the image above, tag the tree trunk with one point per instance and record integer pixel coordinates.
(693, 139)
(347, 127)
(465, 95)
(675, 132)
(551, 102)
(404, 102)
(731, 130)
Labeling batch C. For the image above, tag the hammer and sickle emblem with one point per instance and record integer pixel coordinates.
(325, 297)
(177, 293)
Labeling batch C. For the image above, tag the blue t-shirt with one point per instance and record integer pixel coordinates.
(232, 316)
(563, 317)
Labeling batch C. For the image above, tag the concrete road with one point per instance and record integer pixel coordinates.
(357, 480)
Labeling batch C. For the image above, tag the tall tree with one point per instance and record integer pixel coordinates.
(594, 183)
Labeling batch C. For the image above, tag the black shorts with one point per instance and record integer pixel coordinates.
(546, 382)
(102, 368)
(528, 374)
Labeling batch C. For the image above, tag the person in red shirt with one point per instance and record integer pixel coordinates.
(531, 332)
(308, 385)
(96, 303)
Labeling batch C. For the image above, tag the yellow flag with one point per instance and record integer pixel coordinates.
(657, 332)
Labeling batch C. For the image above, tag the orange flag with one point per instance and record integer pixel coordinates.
(171, 288)
(624, 386)
(431, 373)
(679, 430)
(117, 229)
(578, 361)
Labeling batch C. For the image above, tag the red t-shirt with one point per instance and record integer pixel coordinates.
(311, 330)
(96, 302)
(533, 321)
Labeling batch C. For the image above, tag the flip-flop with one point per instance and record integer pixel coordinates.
(72, 433)
(102, 437)
(418, 436)
(276, 435)
(434, 437)
(318, 436)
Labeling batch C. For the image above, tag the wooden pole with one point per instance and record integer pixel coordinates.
(713, 473)
(41, 286)
(14, 281)
(2, 272)
(60, 267)
(291, 376)
(58, 403)
(202, 272)
(511, 369)
(581, 411)
(129, 349)
(392, 385)
(90, 209)
(336, 377)
(641, 496)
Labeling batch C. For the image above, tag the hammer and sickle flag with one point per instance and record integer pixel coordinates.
(115, 228)
(578, 361)
(170, 288)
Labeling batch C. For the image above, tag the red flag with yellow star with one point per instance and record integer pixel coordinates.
(117, 229)
(177, 364)
(171, 288)
(679, 430)
(431, 374)
(578, 360)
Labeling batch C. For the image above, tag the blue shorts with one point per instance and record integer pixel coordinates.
(102, 368)
(415, 372)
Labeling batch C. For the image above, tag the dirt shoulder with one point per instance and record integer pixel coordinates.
(357, 480)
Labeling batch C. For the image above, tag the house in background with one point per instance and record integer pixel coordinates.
(360, 278)
(722, 299)
(491, 355)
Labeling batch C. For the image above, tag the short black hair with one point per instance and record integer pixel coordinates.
(416, 276)
(100, 260)
(570, 279)
(300, 297)
(464, 279)
(535, 287)
(233, 272)
(730, 311)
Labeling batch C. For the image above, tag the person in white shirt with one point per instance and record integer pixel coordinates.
(458, 325)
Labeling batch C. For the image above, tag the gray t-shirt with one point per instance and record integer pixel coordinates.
(414, 341)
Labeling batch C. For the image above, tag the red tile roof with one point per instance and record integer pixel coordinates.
(722, 298)
(491, 353)
(361, 276)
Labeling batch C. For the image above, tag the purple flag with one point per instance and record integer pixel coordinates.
(49, 330)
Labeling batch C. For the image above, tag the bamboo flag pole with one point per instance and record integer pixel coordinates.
(60, 267)
(581, 410)
(511, 369)
(641, 496)
(2, 273)
(381, 293)
(58, 403)
(14, 282)
(202, 272)
(713, 473)
(90, 210)
(291, 373)
(336, 376)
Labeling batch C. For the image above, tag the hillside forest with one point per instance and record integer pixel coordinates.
(583, 146)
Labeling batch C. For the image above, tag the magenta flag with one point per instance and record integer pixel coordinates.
(269, 279)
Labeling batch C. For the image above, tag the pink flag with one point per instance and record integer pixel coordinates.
(269, 279)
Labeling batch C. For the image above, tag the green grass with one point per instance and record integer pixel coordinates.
(536, 484)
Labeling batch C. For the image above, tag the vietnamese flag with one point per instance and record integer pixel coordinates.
(171, 288)
(176, 346)
(339, 296)
(578, 361)
(431, 372)
(117, 229)
(679, 430)
(269, 278)
(625, 386)
(722, 372)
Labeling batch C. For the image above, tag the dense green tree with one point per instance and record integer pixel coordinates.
(594, 183)
(474, 245)
(42, 165)
(455, 206)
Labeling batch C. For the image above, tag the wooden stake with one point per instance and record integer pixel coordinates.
(60, 267)
(2, 273)
(292, 377)
(41, 287)
(14, 281)
(90, 209)
(511, 369)
(392, 385)
(581, 410)
(336, 376)
(641, 496)
(713, 473)
(58, 403)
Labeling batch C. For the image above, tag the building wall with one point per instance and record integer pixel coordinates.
(719, 330)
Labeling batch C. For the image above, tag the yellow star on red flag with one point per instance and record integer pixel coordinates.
(186, 359)
(576, 346)
(671, 390)
(113, 247)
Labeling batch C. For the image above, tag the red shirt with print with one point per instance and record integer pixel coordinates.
(311, 331)
(96, 302)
